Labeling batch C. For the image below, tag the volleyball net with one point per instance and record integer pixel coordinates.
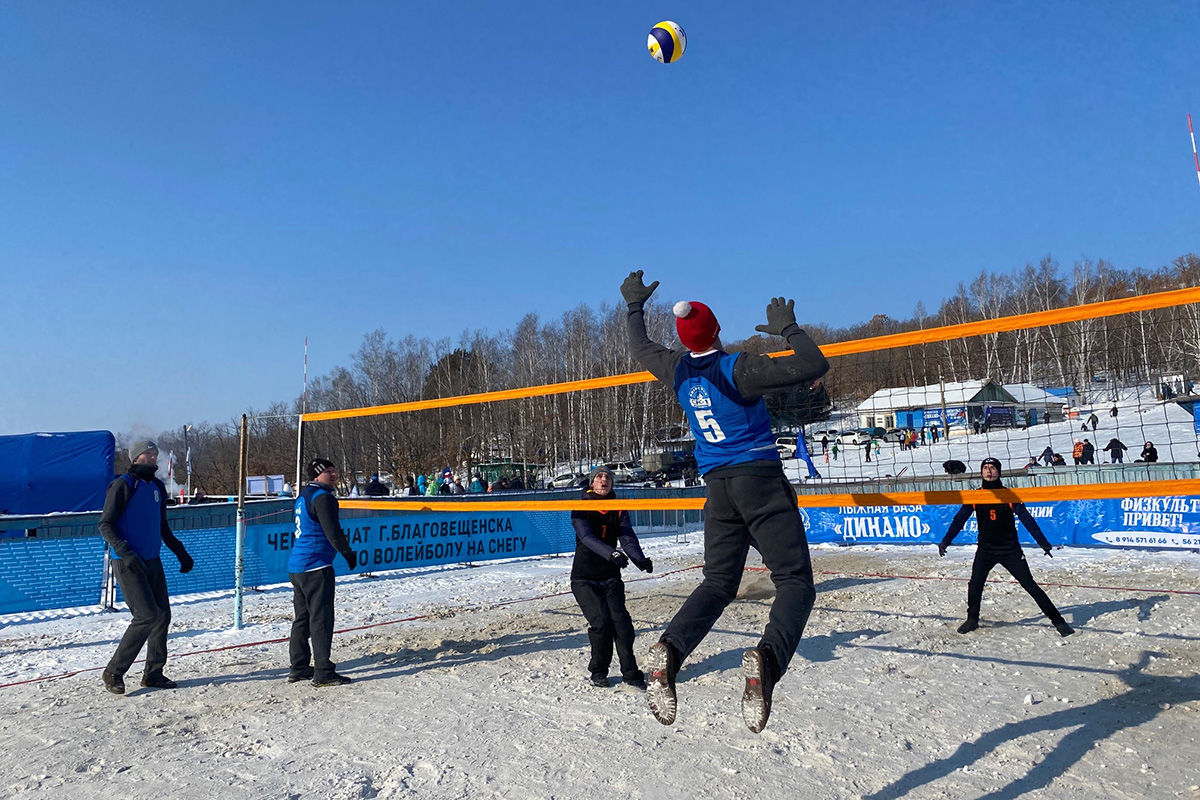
(1092, 401)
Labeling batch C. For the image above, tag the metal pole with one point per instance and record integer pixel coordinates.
(299, 456)
(187, 462)
(239, 564)
(945, 416)
(300, 425)
(1195, 157)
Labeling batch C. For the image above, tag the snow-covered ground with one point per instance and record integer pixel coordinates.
(478, 699)
(1139, 420)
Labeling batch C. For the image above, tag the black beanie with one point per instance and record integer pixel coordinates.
(995, 462)
(317, 466)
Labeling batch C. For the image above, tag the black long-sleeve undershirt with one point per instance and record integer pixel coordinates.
(753, 375)
(993, 536)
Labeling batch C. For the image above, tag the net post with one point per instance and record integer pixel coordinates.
(239, 563)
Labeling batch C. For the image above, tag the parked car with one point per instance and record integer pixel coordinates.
(896, 434)
(786, 446)
(853, 437)
(830, 433)
(628, 471)
(668, 466)
(568, 479)
(875, 433)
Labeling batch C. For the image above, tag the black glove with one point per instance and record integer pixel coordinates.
(619, 558)
(634, 290)
(1046, 550)
(185, 562)
(135, 564)
(351, 559)
(780, 314)
(941, 548)
(645, 565)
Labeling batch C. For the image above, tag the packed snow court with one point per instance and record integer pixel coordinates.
(476, 699)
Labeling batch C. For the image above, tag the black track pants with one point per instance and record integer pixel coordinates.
(312, 600)
(603, 605)
(738, 508)
(1018, 567)
(148, 601)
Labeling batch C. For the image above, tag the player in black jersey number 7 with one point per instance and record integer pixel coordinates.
(998, 544)
(748, 495)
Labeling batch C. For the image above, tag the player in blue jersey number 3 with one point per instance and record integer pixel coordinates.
(748, 494)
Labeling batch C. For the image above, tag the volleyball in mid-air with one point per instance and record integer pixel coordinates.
(667, 42)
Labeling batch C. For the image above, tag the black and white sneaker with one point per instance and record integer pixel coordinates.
(302, 675)
(156, 680)
(760, 686)
(113, 682)
(637, 680)
(331, 680)
(661, 667)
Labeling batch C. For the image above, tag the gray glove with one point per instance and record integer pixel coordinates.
(634, 290)
(780, 314)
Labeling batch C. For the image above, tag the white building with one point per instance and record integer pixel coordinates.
(957, 407)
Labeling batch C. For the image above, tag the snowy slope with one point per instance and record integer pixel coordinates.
(1169, 427)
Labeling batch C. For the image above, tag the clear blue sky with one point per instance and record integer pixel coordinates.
(188, 190)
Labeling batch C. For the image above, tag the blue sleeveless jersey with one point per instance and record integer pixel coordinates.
(729, 429)
(141, 523)
(310, 547)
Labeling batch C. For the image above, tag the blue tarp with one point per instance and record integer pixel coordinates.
(44, 473)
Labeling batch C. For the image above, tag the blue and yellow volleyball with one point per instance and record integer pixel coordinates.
(667, 42)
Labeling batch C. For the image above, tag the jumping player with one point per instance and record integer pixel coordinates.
(998, 545)
(748, 494)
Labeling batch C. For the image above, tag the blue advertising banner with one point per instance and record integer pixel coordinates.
(1171, 522)
(417, 540)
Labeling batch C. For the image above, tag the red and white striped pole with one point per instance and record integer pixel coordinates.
(1194, 155)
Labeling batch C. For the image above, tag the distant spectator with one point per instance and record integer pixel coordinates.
(1058, 461)
(922, 436)
(1048, 456)
(1093, 420)
(477, 485)
(1113, 413)
(377, 488)
(1077, 452)
(286, 491)
(409, 489)
(867, 450)
(1089, 452)
(824, 444)
(834, 451)
(422, 482)
(1116, 451)
(1033, 462)
(954, 467)
(976, 425)
(444, 486)
(933, 431)
(1149, 453)
(457, 487)
(516, 484)
(200, 497)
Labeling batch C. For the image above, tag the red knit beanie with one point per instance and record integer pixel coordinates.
(696, 325)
